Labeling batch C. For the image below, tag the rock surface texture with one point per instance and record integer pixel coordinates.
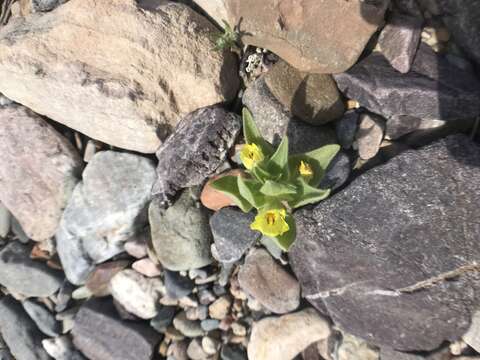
(313, 36)
(196, 149)
(107, 208)
(378, 255)
(139, 69)
(38, 171)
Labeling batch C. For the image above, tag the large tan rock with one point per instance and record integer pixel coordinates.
(38, 171)
(324, 36)
(119, 72)
(216, 9)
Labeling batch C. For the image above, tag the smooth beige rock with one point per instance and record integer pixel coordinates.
(369, 135)
(39, 169)
(282, 338)
(216, 9)
(116, 71)
(324, 36)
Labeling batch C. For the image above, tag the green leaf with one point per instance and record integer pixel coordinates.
(286, 240)
(250, 190)
(229, 186)
(260, 173)
(309, 195)
(324, 155)
(252, 134)
(278, 162)
(276, 189)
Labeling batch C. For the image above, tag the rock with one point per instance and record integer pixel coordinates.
(179, 350)
(61, 348)
(176, 285)
(220, 308)
(399, 40)
(274, 122)
(461, 18)
(408, 229)
(164, 318)
(4, 221)
(369, 135)
(353, 348)
(265, 280)
(397, 126)
(42, 317)
(320, 37)
(215, 9)
(20, 332)
(230, 352)
(22, 275)
(282, 338)
(100, 335)
(232, 234)
(107, 208)
(181, 234)
(472, 336)
(198, 146)
(210, 345)
(137, 247)
(442, 90)
(38, 172)
(209, 324)
(346, 128)
(189, 328)
(126, 93)
(146, 267)
(195, 350)
(45, 5)
(137, 294)
(98, 281)
(337, 173)
(214, 199)
(313, 98)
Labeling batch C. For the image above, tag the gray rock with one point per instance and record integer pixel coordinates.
(164, 318)
(433, 89)
(46, 5)
(180, 234)
(441, 354)
(409, 7)
(346, 128)
(397, 126)
(20, 274)
(210, 324)
(42, 317)
(107, 208)
(100, 335)
(198, 146)
(265, 280)
(274, 122)
(20, 332)
(18, 231)
(472, 336)
(189, 328)
(461, 18)
(399, 40)
(354, 348)
(4, 221)
(337, 173)
(232, 352)
(176, 285)
(195, 350)
(232, 234)
(61, 348)
(378, 254)
(369, 135)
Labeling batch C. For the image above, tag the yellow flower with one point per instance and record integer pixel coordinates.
(271, 222)
(251, 155)
(305, 170)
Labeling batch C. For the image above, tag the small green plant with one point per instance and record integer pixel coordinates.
(275, 183)
(227, 40)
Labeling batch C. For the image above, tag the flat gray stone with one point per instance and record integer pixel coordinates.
(19, 332)
(377, 255)
(20, 274)
(42, 317)
(106, 209)
(5, 219)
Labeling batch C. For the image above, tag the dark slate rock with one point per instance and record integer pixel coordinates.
(233, 352)
(367, 252)
(19, 332)
(461, 18)
(232, 234)
(433, 89)
(391, 354)
(25, 276)
(100, 335)
(274, 121)
(164, 318)
(408, 7)
(337, 172)
(399, 40)
(46, 5)
(198, 146)
(43, 318)
(346, 128)
(397, 126)
(177, 286)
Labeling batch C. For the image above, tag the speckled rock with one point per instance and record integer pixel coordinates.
(383, 248)
(369, 135)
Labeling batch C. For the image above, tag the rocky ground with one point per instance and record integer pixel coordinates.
(116, 115)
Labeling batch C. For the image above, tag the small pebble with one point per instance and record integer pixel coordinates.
(147, 267)
(177, 286)
(195, 350)
(239, 329)
(163, 319)
(189, 328)
(198, 313)
(209, 324)
(206, 297)
(220, 308)
(232, 352)
(210, 345)
(173, 334)
(136, 248)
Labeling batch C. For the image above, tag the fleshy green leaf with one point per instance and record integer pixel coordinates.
(324, 155)
(260, 173)
(250, 190)
(278, 163)
(252, 134)
(229, 186)
(308, 195)
(276, 189)
(286, 240)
